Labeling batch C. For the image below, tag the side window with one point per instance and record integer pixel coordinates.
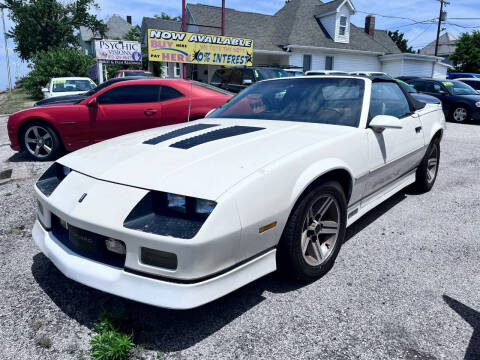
(420, 86)
(388, 99)
(169, 93)
(249, 75)
(237, 77)
(131, 94)
(434, 88)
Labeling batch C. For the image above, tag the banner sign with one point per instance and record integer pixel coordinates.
(183, 47)
(118, 52)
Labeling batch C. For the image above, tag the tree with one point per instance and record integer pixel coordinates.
(466, 57)
(165, 16)
(57, 62)
(41, 25)
(401, 42)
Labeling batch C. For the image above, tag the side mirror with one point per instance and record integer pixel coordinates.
(247, 82)
(44, 90)
(93, 102)
(382, 122)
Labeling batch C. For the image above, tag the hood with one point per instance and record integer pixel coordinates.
(202, 159)
(61, 100)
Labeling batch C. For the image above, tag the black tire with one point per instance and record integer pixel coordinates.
(291, 260)
(462, 110)
(424, 178)
(49, 137)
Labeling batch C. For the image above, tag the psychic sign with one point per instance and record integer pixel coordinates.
(118, 52)
(192, 48)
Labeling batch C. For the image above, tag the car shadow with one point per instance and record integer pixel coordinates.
(472, 317)
(172, 330)
(21, 157)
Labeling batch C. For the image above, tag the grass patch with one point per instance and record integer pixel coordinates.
(112, 341)
(44, 342)
(18, 100)
(8, 194)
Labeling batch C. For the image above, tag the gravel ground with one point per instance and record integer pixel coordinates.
(405, 286)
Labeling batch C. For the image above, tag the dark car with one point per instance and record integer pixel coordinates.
(79, 97)
(474, 83)
(418, 96)
(462, 75)
(236, 79)
(407, 78)
(461, 103)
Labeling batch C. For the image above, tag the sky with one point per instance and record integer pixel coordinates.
(413, 17)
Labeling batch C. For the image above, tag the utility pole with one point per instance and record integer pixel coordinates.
(6, 53)
(440, 17)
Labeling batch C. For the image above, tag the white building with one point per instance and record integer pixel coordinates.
(308, 34)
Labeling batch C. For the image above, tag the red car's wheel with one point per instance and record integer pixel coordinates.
(41, 141)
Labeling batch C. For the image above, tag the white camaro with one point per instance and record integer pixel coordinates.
(181, 215)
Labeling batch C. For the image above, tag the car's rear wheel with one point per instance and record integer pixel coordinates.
(461, 114)
(427, 171)
(41, 141)
(314, 233)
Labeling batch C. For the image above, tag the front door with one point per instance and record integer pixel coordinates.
(126, 109)
(393, 152)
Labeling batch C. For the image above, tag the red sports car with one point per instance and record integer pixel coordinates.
(114, 108)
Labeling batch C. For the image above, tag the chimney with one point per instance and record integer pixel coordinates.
(129, 19)
(370, 25)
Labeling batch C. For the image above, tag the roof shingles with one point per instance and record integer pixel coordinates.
(294, 24)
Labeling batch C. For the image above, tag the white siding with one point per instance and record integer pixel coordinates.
(341, 62)
(350, 62)
(394, 68)
(296, 59)
(330, 24)
(417, 68)
(440, 71)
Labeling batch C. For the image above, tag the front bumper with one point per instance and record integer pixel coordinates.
(167, 294)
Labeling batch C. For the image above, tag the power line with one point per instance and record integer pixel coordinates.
(423, 32)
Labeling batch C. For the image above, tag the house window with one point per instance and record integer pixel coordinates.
(329, 63)
(343, 26)
(307, 62)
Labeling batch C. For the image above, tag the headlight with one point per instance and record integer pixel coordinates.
(177, 203)
(169, 214)
(477, 104)
(51, 178)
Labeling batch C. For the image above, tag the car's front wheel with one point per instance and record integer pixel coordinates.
(461, 114)
(41, 141)
(314, 233)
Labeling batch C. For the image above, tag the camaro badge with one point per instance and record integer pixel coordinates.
(82, 197)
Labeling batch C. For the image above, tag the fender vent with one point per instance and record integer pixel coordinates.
(214, 135)
(179, 132)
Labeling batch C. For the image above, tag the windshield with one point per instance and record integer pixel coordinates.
(266, 73)
(137, 73)
(65, 85)
(336, 101)
(459, 88)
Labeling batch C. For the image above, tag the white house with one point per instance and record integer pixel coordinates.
(311, 35)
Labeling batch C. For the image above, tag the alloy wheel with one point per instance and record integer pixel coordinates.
(38, 141)
(320, 230)
(460, 114)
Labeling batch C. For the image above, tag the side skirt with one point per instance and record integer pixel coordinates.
(357, 211)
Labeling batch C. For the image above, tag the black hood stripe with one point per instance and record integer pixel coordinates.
(179, 132)
(215, 135)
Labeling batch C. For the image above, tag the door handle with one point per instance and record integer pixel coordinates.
(418, 129)
(150, 112)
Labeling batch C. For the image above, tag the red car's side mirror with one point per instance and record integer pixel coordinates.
(93, 102)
